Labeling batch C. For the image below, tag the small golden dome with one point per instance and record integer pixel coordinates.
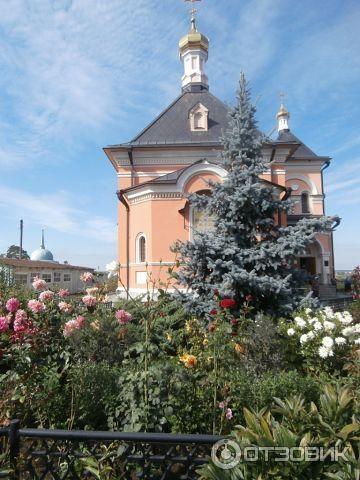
(194, 39)
(282, 112)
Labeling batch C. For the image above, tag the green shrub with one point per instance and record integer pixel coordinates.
(291, 423)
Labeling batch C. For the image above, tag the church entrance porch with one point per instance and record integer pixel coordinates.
(316, 262)
(308, 264)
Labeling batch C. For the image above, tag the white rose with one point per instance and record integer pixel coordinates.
(328, 312)
(340, 340)
(328, 342)
(347, 331)
(291, 332)
(312, 320)
(311, 334)
(112, 268)
(346, 318)
(308, 311)
(328, 326)
(323, 352)
(300, 322)
(303, 338)
(317, 326)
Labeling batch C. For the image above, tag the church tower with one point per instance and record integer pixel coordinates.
(194, 48)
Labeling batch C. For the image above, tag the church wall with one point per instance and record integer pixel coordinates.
(168, 225)
(200, 182)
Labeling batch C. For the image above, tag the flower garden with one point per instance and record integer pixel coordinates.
(75, 363)
(244, 356)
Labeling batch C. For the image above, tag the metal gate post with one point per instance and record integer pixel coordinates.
(14, 445)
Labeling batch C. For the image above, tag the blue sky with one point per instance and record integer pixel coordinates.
(77, 75)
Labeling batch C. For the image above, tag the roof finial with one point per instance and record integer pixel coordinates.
(193, 15)
(42, 239)
(283, 115)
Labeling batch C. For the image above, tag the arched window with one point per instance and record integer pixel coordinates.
(198, 121)
(200, 220)
(198, 116)
(141, 248)
(305, 205)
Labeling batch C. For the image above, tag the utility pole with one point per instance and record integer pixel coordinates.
(21, 238)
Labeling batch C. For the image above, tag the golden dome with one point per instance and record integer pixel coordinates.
(194, 39)
(282, 112)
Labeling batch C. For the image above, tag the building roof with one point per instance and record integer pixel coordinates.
(303, 151)
(172, 125)
(15, 262)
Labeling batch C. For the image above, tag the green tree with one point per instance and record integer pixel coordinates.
(14, 252)
(247, 253)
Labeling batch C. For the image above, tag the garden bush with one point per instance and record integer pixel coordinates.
(329, 423)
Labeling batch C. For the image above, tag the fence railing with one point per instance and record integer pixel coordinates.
(339, 304)
(70, 454)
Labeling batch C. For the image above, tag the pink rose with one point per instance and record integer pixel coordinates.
(4, 324)
(46, 295)
(69, 328)
(72, 325)
(123, 317)
(222, 405)
(36, 306)
(12, 305)
(39, 284)
(20, 326)
(89, 300)
(64, 292)
(87, 277)
(65, 307)
(21, 316)
(229, 414)
(80, 320)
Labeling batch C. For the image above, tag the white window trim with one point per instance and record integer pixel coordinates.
(137, 248)
(191, 226)
(309, 202)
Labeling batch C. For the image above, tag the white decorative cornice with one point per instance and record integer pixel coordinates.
(142, 197)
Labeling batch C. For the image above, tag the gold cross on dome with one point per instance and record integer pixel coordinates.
(192, 11)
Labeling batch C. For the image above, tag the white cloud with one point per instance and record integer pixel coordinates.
(69, 68)
(58, 212)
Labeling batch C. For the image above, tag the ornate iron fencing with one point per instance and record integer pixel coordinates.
(39, 454)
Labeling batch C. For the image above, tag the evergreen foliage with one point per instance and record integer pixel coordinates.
(246, 253)
(14, 252)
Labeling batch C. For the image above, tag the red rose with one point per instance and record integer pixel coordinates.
(213, 311)
(234, 321)
(227, 303)
(216, 291)
(249, 298)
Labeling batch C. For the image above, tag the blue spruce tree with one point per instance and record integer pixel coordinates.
(246, 253)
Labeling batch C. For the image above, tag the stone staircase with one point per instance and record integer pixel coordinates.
(327, 292)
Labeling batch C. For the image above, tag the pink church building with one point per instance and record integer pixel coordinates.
(177, 153)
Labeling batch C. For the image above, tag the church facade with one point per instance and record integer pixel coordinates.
(177, 154)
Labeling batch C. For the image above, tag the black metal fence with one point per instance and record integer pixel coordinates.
(68, 454)
(338, 304)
